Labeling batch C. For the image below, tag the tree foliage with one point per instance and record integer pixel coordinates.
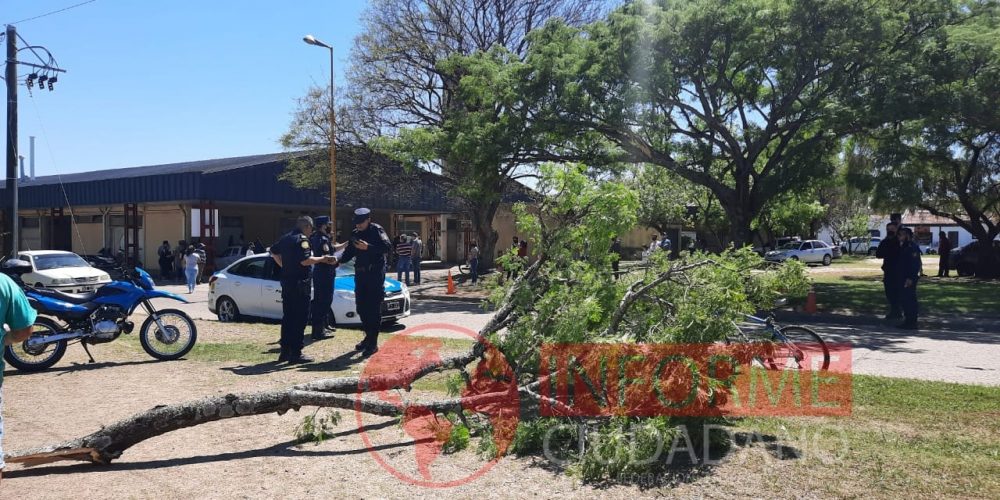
(746, 98)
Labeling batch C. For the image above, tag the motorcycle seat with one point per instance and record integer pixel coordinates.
(72, 298)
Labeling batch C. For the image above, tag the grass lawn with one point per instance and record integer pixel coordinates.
(859, 289)
(904, 438)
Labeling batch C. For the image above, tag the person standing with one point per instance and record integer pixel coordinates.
(202, 254)
(404, 262)
(944, 252)
(179, 252)
(418, 249)
(474, 261)
(368, 246)
(323, 278)
(191, 268)
(616, 254)
(166, 260)
(516, 247)
(888, 251)
(17, 316)
(294, 256)
(908, 274)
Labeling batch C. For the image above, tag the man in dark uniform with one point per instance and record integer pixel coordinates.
(369, 245)
(888, 251)
(294, 256)
(909, 272)
(323, 277)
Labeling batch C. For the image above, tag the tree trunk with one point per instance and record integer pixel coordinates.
(486, 236)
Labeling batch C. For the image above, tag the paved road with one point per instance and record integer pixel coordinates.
(946, 355)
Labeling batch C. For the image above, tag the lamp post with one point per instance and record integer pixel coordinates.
(311, 40)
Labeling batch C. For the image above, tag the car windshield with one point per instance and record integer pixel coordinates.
(790, 246)
(55, 261)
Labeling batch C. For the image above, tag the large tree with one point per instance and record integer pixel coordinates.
(404, 84)
(944, 156)
(766, 88)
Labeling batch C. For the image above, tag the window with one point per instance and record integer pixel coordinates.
(88, 219)
(806, 246)
(30, 222)
(253, 268)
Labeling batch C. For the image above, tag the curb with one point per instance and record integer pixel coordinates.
(447, 298)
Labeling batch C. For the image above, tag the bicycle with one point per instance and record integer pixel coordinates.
(795, 343)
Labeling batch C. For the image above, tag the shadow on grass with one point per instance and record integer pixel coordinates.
(76, 367)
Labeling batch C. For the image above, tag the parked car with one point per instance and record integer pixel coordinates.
(964, 259)
(810, 251)
(63, 271)
(228, 256)
(250, 287)
(837, 253)
(860, 245)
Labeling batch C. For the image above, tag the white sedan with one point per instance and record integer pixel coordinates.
(250, 287)
(810, 252)
(63, 271)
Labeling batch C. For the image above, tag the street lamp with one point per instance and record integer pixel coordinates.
(311, 40)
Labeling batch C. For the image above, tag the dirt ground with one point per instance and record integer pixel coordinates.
(258, 457)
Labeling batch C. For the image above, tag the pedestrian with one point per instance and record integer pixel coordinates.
(616, 254)
(665, 244)
(516, 247)
(418, 250)
(369, 245)
(166, 260)
(294, 256)
(17, 319)
(653, 245)
(474, 261)
(910, 265)
(888, 251)
(191, 268)
(179, 258)
(522, 253)
(202, 252)
(404, 262)
(258, 247)
(324, 275)
(944, 251)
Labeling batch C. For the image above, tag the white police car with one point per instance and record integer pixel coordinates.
(250, 287)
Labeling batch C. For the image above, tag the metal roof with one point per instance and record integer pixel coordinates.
(246, 179)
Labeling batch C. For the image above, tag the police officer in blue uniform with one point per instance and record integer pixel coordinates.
(294, 256)
(909, 266)
(888, 251)
(368, 245)
(323, 277)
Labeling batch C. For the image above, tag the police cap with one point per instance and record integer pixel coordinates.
(361, 215)
(322, 220)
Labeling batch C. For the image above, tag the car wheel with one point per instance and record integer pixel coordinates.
(39, 285)
(871, 251)
(827, 259)
(227, 310)
(794, 257)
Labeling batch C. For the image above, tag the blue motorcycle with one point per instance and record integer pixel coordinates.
(96, 318)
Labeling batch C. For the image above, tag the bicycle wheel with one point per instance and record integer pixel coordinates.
(798, 348)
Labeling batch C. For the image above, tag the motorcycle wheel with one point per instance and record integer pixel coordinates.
(178, 338)
(35, 360)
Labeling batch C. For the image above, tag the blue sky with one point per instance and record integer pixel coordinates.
(156, 81)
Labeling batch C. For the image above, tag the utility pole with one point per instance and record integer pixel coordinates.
(9, 217)
(333, 151)
(42, 73)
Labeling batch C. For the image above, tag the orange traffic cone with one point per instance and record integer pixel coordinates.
(451, 284)
(811, 302)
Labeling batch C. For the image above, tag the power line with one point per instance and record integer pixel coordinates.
(64, 9)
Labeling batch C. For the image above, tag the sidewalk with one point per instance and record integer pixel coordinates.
(434, 286)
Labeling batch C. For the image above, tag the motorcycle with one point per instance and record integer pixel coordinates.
(96, 318)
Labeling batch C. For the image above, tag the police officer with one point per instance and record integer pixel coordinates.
(369, 245)
(888, 251)
(323, 277)
(909, 265)
(294, 256)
